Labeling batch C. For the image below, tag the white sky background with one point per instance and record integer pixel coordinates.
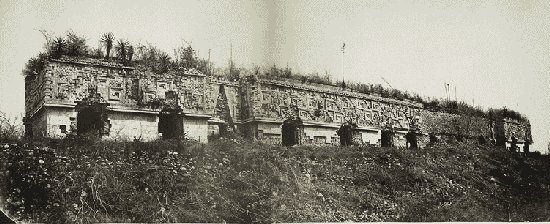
(495, 53)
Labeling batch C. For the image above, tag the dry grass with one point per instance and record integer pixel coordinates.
(169, 181)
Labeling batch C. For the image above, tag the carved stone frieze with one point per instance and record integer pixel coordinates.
(272, 101)
(68, 80)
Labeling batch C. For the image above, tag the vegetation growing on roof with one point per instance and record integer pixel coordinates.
(149, 57)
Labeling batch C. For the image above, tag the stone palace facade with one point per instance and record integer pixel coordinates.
(91, 96)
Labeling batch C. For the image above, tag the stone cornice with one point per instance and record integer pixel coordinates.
(335, 90)
(91, 62)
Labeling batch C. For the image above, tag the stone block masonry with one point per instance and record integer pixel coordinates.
(123, 103)
(129, 125)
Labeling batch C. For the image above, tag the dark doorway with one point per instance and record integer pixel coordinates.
(89, 122)
(223, 130)
(28, 130)
(346, 134)
(412, 142)
(387, 139)
(433, 138)
(291, 132)
(481, 140)
(167, 125)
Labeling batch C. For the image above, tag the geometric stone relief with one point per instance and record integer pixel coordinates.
(67, 82)
(328, 107)
(116, 87)
(115, 94)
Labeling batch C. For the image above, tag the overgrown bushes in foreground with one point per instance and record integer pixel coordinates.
(224, 181)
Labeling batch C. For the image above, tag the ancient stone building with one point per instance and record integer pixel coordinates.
(117, 102)
(107, 99)
(322, 110)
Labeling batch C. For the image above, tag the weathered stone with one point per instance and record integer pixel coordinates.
(135, 102)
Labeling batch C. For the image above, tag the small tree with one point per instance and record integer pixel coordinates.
(9, 129)
(130, 52)
(49, 40)
(58, 47)
(151, 53)
(34, 65)
(108, 40)
(97, 53)
(140, 51)
(204, 66)
(186, 56)
(76, 45)
(122, 49)
(164, 62)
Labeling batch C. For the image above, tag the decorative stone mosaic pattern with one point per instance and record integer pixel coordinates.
(279, 101)
(67, 81)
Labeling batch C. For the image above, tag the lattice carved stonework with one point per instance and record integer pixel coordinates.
(274, 102)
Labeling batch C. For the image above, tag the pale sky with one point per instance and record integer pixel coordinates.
(494, 53)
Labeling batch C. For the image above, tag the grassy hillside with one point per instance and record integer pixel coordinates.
(250, 182)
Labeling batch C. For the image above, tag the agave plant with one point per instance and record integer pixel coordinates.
(108, 39)
(164, 62)
(141, 51)
(58, 47)
(130, 52)
(122, 49)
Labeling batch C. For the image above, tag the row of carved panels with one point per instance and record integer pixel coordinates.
(308, 93)
(71, 71)
(71, 83)
(298, 93)
(74, 76)
(63, 73)
(361, 117)
(390, 111)
(66, 73)
(187, 99)
(323, 101)
(77, 87)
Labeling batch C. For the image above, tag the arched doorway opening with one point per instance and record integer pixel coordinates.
(291, 132)
(89, 122)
